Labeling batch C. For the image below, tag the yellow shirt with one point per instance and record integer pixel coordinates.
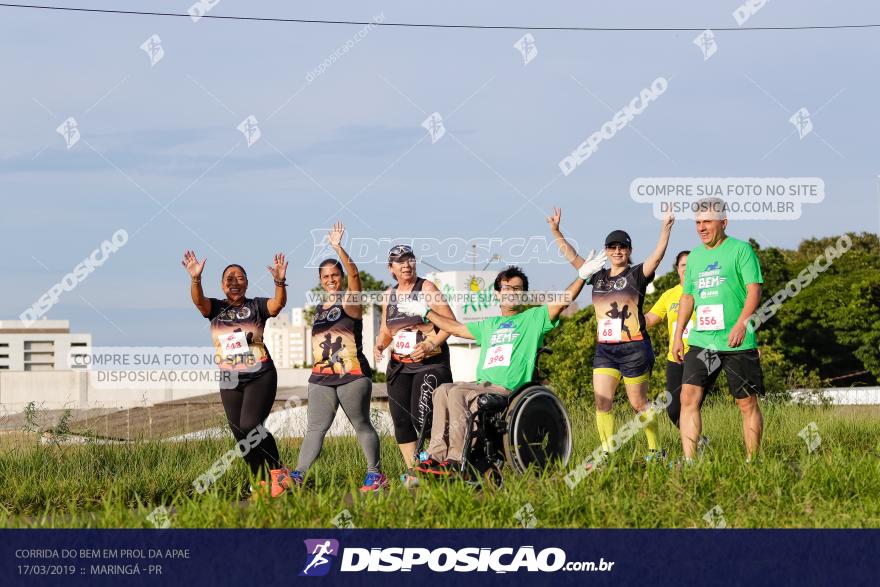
(667, 307)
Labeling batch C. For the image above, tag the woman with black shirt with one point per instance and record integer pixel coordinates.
(237, 324)
(419, 360)
(341, 374)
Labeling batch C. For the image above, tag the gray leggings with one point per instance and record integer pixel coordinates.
(323, 402)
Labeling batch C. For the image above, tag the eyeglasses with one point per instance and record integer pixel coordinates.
(512, 288)
(616, 247)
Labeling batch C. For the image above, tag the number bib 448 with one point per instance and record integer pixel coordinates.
(710, 317)
(233, 343)
(498, 356)
(404, 342)
(609, 330)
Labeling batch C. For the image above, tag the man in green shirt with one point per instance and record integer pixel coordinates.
(722, 288)
(508, 346)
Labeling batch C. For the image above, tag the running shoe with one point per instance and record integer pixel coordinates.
(703, 444)
(409, 479)
(427, 465)
(445, 468)
(655, 456)
(591, 466)
(374, 482)
(284, 479)
(681, 464)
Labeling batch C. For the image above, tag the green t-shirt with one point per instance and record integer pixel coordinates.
(717, 279)
(508, 345)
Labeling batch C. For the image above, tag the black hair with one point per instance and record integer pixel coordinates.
(228, 267)
(508, 274)
(678, 258)
(328, 263)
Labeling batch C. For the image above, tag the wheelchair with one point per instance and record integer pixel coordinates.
(528, 428)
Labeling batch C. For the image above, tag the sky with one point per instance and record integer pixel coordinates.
(160, 156)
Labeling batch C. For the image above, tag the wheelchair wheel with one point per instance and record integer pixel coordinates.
(538, 430)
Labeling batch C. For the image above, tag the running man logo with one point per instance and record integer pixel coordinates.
(810, 435)
(250, 129)
(434, 125)
(802, 122)
(153, 48)
(69, 129)
(318, 556)
(526, 46)
(706, 42)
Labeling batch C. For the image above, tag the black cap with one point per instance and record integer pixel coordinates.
(398, 252)
(618, 236)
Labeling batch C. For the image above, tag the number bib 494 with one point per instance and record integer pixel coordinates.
(404, 342)
(710, 317)
(609, 330)
(498, 356)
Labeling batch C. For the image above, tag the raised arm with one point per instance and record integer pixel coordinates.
(194, 268)
(278, 271)
(565, 247)
(351, 305)
(587, 268)
(653, 261)
(573, 290)
(447, 324)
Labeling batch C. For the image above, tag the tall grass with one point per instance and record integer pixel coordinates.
(109, 486)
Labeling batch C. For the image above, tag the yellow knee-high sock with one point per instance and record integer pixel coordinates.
(605, 424)
(651, 429)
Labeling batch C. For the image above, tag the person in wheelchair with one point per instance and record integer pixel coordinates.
(509, 344)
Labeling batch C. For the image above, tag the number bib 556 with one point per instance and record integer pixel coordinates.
(710, 317)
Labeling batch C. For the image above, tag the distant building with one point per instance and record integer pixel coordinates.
(45, 345)
(285, 336)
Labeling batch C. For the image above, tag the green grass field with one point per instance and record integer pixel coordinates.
(111, 486)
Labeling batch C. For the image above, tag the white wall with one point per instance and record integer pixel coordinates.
(57, 390)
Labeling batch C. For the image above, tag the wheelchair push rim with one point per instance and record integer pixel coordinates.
(538, 430)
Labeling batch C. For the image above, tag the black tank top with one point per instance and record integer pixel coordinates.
(399, 324)
(337, 347)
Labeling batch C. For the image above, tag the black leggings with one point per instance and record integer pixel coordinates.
(409, 400)
(247, 405)
(674, 375)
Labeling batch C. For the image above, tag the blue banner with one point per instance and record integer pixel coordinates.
(436, 557)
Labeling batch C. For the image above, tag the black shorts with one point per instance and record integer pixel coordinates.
(632, 360)
(675, 374)
(743, 370)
